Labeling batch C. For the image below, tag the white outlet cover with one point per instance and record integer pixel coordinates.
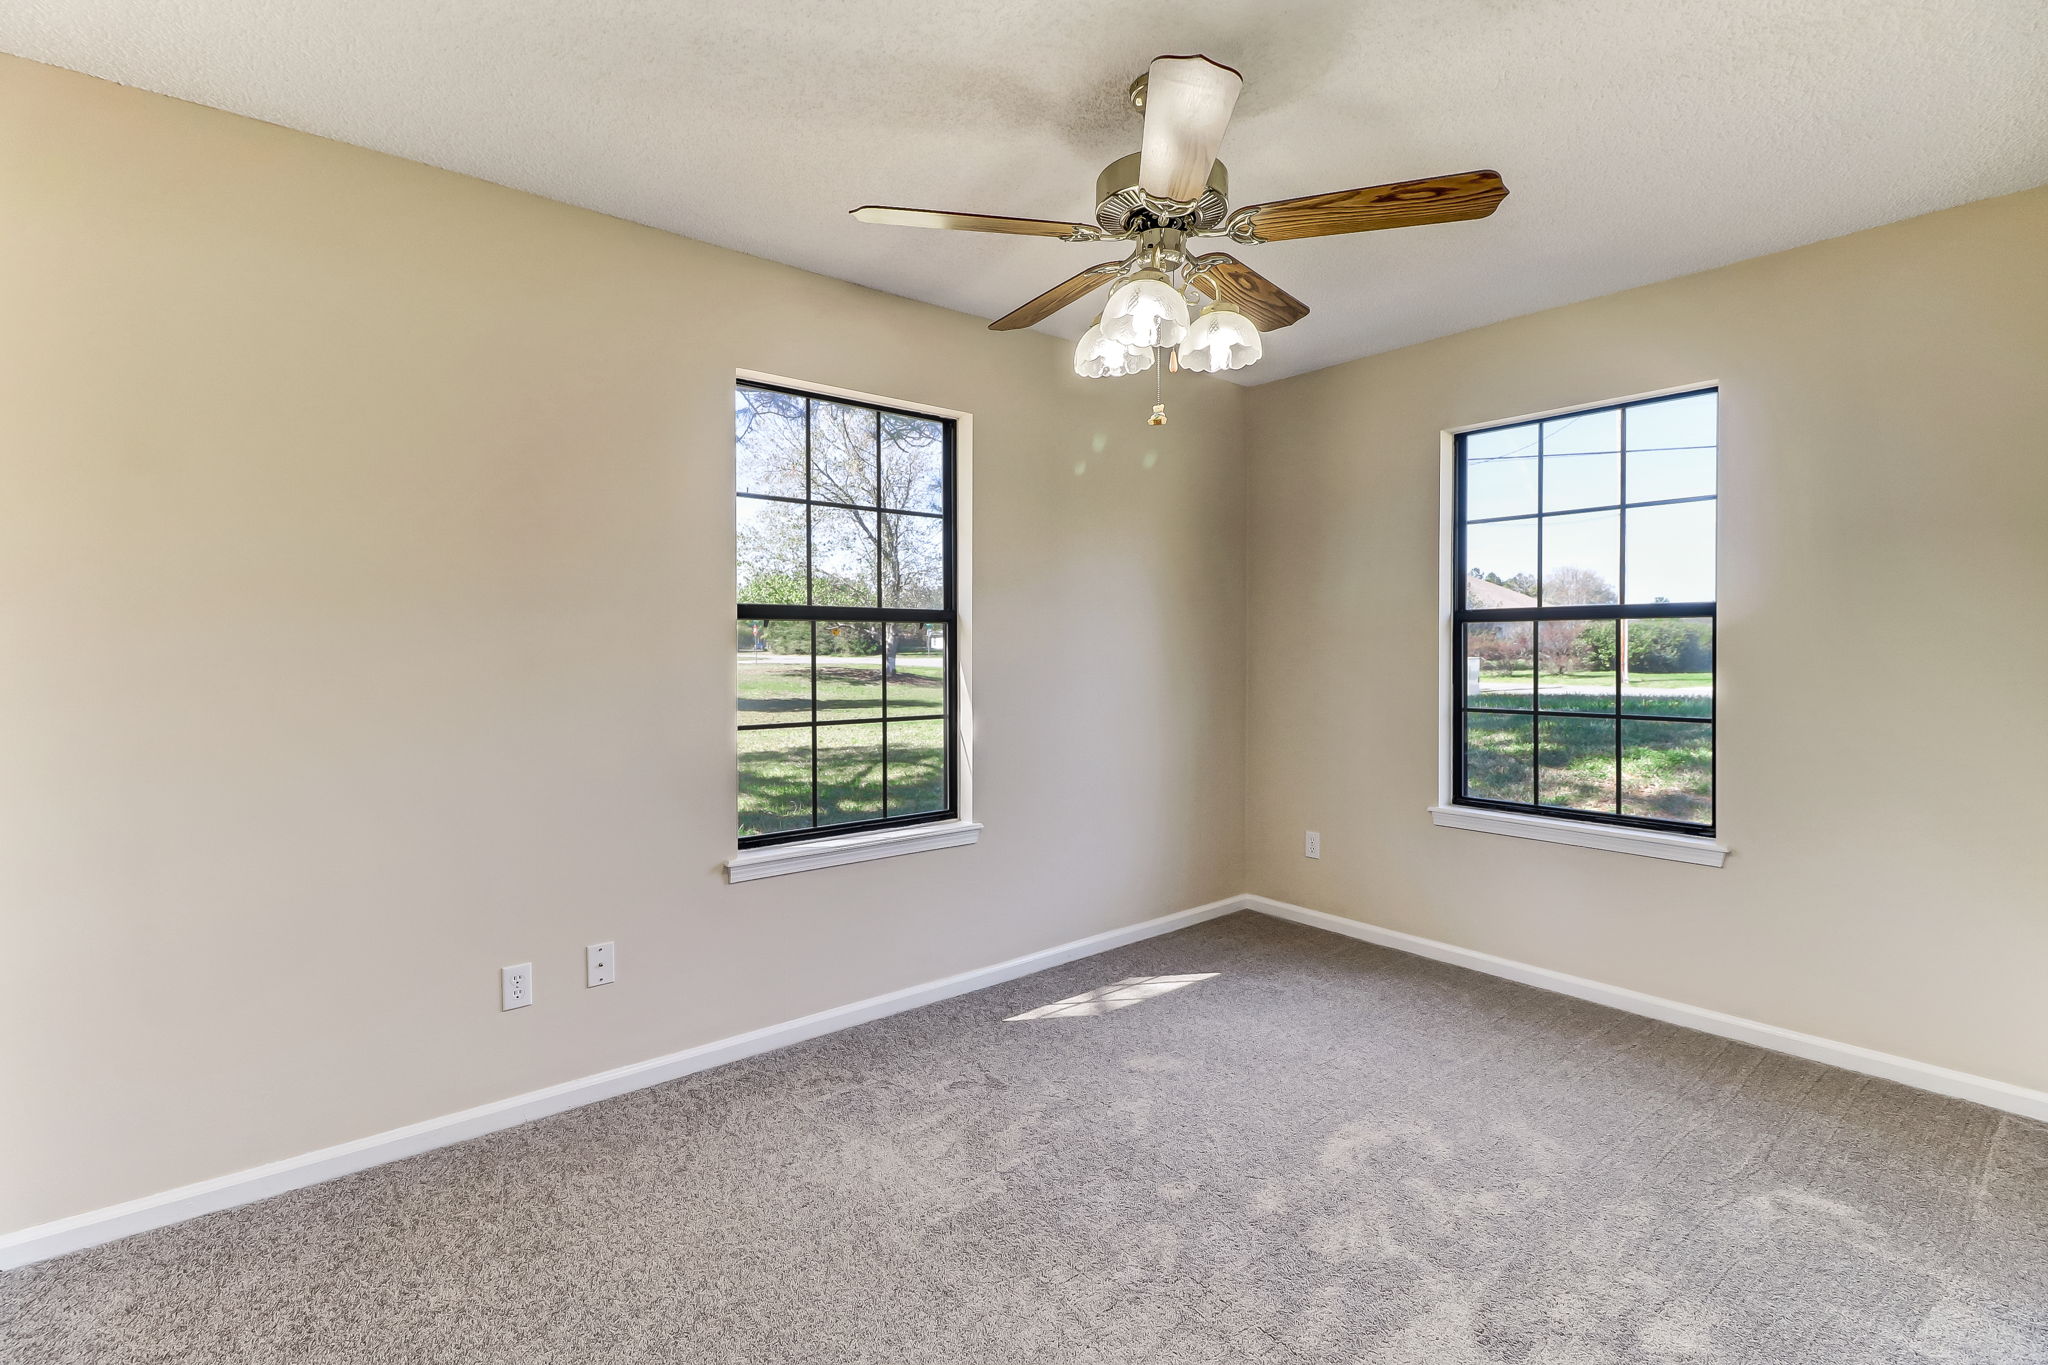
(515, 985)
(1312, 846)
(601, 964)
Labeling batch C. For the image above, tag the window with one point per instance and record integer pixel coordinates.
(1583, 630)
(846, 616)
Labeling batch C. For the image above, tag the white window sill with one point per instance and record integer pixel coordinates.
(779, 859)
(1645, 843)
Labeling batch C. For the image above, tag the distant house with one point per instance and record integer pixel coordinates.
(1480, 592)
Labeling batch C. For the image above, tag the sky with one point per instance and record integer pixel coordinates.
(1669, 447)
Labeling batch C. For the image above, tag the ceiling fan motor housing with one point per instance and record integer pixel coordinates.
(1122, 207)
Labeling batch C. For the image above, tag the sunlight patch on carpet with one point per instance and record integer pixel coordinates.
(1103, 999)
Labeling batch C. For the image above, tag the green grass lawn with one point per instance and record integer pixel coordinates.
(900, 740)
(1666, 771)
(1686, 694)
(1603, 679)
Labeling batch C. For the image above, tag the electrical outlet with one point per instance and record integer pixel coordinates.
(1312, 847)
(516, 986)
(601, 964)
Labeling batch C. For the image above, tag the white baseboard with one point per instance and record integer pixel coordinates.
(2014, 1099)
(260, 1182)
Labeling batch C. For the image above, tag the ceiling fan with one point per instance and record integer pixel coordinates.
(1174, 191)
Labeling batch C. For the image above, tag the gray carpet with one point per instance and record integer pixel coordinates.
(1322, 1152)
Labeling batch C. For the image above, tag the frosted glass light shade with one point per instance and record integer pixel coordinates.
(1097, 357)
(1221, 339)
(1145, 311)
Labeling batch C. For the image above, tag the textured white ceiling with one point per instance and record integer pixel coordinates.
(1641, 139)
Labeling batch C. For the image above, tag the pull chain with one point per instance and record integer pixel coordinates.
(1158, 417)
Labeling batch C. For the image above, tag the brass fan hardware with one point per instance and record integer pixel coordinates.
(1172, 190)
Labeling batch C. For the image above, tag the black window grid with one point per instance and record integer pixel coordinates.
(1621, 610)
(945, 616)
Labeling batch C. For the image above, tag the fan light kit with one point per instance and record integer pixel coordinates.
(1173, 191)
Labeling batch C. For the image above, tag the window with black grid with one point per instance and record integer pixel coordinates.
(1583, 635)
(847, 605)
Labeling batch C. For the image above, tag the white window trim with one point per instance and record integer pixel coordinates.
(777, 860)
(1645, 843)
(780, 859)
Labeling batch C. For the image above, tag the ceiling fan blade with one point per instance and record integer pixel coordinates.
(1441, 199)
(1268, 305)
(1058, 297)
(972, 222)
(1187, 106)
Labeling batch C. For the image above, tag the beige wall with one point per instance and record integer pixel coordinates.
(1884, 669)
(367, 550)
